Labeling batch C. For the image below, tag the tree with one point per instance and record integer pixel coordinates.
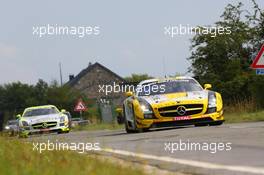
(224, 60)
(40, 92)
(15, 97)
(63, 97)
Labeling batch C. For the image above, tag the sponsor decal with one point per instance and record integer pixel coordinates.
(182, 118)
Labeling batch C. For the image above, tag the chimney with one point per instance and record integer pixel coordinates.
(71, 77)
(90, 63)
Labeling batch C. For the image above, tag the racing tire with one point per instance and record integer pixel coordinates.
(136, 129)
(63, 132)
(11, 133)
(129, 131)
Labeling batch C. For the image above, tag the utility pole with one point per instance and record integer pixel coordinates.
(60, 73)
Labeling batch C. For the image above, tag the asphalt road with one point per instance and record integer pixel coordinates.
(240, 147)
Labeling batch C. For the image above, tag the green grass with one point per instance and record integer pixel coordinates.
(18, 158)
(244, 117)
(102, 126)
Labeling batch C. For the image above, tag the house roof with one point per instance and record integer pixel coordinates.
(88, 69)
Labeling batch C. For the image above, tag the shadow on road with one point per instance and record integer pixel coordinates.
(149, 131)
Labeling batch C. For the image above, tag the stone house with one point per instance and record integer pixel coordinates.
(93, 81)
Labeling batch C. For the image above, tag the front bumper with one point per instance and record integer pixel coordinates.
(170, 121)
(28, 130)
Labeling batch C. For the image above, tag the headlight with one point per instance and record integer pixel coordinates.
(147, 109)
(211, 100)
(62, 119)
(145, 106)
(211, 103)
(7, 127)
(24, 123)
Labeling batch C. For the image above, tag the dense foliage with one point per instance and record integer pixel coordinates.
(225, 60)
(15, 97)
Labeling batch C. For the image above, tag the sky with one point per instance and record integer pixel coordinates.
(131, 38)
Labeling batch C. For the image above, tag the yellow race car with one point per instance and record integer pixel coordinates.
(171, 102)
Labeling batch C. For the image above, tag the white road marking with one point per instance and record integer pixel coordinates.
(206, 165)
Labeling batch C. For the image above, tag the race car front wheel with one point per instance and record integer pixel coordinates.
(134, 125)
(126, 122)
(63, 132)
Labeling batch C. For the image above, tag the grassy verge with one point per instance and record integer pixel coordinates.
(244, 117)
(101, 126)
(17, 157)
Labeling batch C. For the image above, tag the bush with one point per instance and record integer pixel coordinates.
(15, 97)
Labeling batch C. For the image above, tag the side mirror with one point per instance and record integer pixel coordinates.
(63, 111)
(18, 116)
(207, 86)
(129, 94)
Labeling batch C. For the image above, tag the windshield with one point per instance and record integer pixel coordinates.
(173, 86)
(40, 111)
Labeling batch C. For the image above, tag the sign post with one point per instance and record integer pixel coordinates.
(258, 62)
(80, 107)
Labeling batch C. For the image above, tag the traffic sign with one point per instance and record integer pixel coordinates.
(258, 62)
(260, 71)
(80, 106)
